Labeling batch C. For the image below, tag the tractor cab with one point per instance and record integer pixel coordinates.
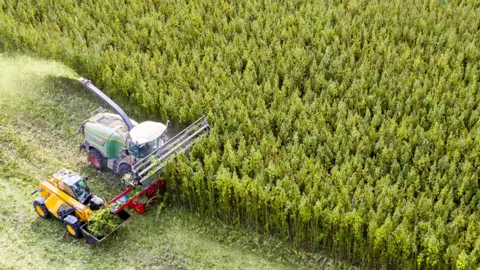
(146, 138)
(73, 184)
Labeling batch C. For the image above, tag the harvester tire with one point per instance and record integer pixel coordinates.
(123, 169)
(97, 159)
(40, 208)
(73, 226)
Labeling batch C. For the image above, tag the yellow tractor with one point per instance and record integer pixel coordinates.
(67, 197)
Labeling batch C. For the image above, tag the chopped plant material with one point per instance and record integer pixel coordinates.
(103, 222)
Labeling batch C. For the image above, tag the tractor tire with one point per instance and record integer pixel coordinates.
(73, 226)
(40, 208)
(97, 159)
(123, 169)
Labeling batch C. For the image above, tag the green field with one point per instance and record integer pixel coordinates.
(40, 111)
(345, 127)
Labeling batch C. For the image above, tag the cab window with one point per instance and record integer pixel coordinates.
(81, 190)
(67, 190)
(142, 150)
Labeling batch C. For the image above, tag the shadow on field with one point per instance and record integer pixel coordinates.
(75, 90)
(51, 228)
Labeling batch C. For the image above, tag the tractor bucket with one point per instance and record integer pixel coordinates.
(92, 240)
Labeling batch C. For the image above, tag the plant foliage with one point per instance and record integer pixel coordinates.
(102, 222)
(351, 126)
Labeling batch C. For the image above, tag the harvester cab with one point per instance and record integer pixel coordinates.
(145, 138)
(125, 146)
(66, 196)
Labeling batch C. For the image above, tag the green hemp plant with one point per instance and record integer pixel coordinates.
(103, 222)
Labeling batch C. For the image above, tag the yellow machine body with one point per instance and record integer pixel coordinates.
(53, 190)
(66, 196)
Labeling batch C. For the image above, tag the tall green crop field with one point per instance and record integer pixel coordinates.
(347, 126)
